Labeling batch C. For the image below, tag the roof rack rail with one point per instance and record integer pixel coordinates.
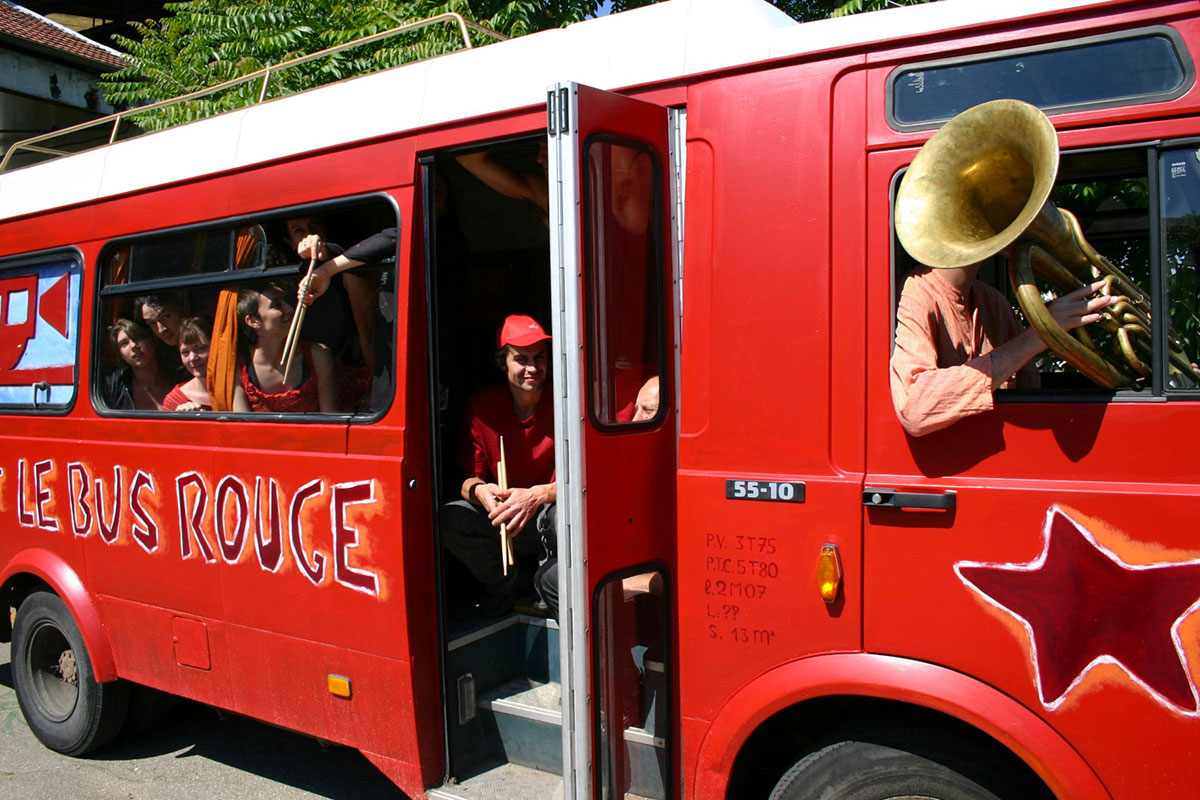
(32, 143)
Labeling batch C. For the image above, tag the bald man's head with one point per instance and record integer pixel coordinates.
(646, 405)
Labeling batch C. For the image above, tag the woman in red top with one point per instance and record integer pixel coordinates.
(193, 352)
(264, 316)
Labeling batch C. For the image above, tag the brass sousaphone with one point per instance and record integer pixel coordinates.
(978, 187)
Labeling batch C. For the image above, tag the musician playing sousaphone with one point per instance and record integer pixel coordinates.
(957, 338)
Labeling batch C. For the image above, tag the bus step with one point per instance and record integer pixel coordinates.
(646, 755)
(515, 646)
(501, 782)
(522, 721)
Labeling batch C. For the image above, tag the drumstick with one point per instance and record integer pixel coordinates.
(289, 346)
(505, 545)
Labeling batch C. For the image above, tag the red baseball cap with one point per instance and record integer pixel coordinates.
(520, 331)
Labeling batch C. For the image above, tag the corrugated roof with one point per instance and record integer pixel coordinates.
(22, 23)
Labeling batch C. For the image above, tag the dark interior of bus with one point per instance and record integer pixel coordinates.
(489, 257)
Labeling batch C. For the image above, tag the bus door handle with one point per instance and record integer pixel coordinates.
(890, 498)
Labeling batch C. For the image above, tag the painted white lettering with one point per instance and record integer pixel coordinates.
(79, 484)
(145, 534)
(42, 495)
(314, 571)
(229, 485)
(345, 538)
(110, 529)
(270, 553)
(191, 520)
(24, 515)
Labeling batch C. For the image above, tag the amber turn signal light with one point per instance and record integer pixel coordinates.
(338, 685)
(829, 573)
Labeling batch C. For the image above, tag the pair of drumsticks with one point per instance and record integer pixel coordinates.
(293, 337)
(506, 556)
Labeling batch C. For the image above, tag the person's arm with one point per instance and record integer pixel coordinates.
(519, 506)
(240, 403)
(528, 186)
(327, 390)
(481, 493)
(373, 248)
(928, 398)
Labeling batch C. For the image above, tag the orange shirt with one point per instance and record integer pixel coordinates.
(941, 363)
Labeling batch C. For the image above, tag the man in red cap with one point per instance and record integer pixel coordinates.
(523, 413)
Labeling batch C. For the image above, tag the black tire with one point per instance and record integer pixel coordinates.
(56, 688)
(908, 763)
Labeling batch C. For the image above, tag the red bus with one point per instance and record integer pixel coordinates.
(768, 588)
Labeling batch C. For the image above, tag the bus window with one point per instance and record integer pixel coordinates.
(39, 331)
(1143, 66)
(624, 272)
(1179, 179)
(1109, 192)
(173, 302)
(632, 696)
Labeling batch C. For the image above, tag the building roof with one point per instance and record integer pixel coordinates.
(43, 34)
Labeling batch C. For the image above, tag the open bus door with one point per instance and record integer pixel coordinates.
(612, 277)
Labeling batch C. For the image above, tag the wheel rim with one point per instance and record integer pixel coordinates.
(53, 672)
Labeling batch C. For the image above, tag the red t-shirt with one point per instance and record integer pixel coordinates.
(176, 397)
(528, 443)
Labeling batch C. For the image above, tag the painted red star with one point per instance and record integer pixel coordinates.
(1082, 605)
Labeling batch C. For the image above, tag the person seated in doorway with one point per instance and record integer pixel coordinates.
(958, 341)
(521, 409)
(139, 382)
(192, 395)
(264, 318)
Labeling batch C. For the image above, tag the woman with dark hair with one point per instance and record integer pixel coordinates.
(192, 395)
(264, 317)
(139, 382)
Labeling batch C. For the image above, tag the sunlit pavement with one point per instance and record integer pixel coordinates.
(195, 754)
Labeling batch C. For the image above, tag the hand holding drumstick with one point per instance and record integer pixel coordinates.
(293, 337)
(506, 557)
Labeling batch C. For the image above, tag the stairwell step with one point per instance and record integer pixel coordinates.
(522, 721)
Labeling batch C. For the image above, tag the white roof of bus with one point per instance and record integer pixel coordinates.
(657, 42)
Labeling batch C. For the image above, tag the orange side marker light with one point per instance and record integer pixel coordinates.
(339, 685)
(829, 573)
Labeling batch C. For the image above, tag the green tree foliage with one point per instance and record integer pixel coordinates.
(860, 6)
(206, 42)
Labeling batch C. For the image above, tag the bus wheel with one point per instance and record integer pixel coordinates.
(64, 706)
(904, 763)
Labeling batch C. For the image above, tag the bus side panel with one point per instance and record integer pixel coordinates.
(1031, 474)
(71, 226)
(411, 406)
(338, 173)
(136, 550)
(180, 653)
(284, 681)
(756, 402)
